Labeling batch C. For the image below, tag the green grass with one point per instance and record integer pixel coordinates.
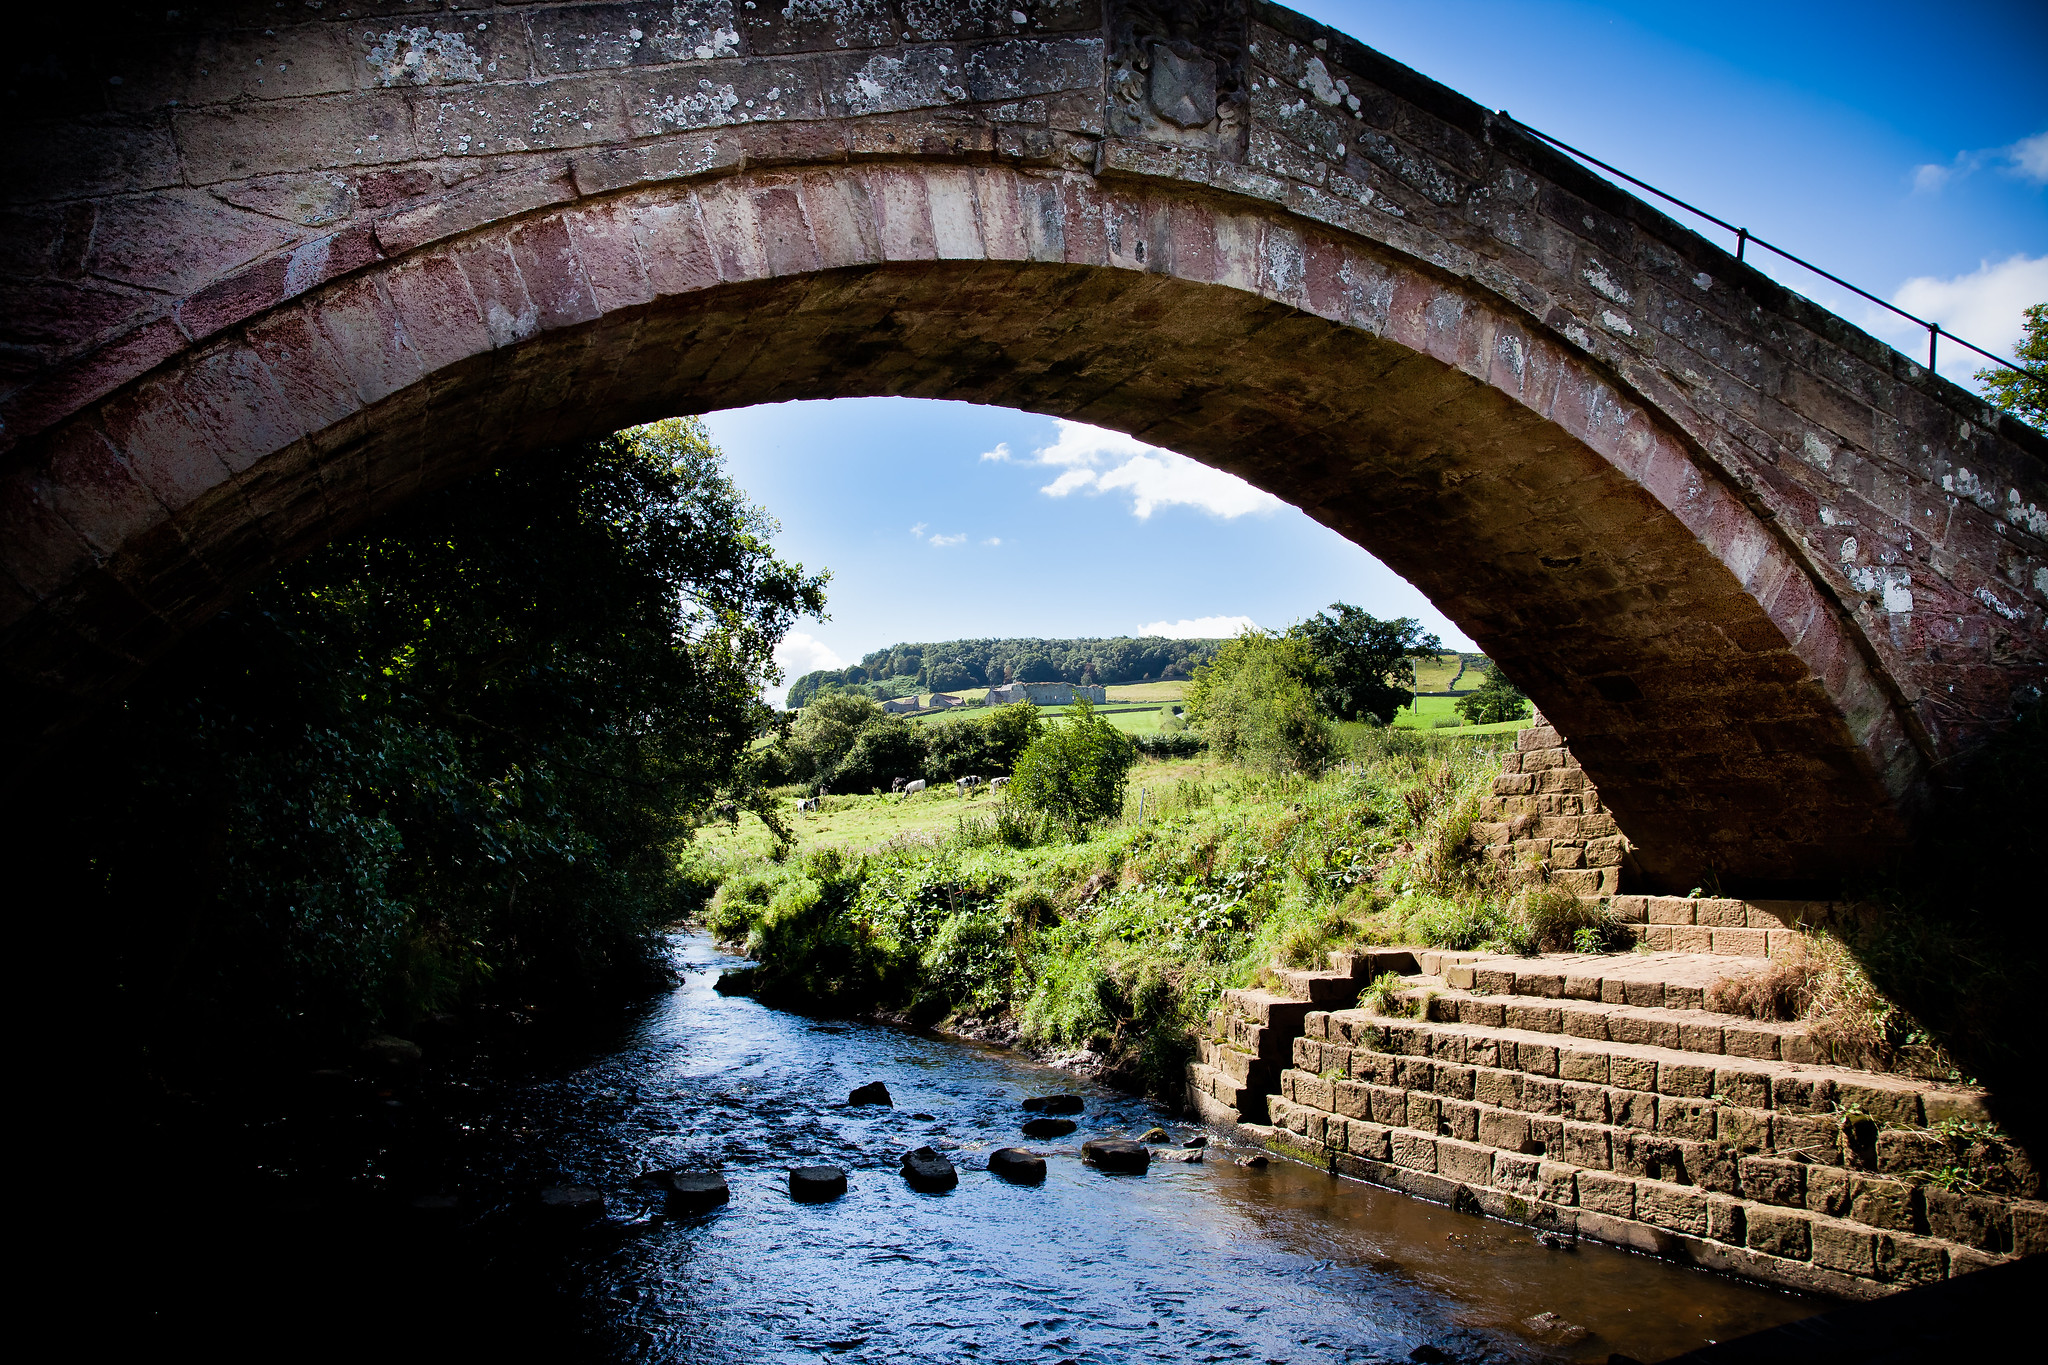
(1152, 691)
(1123, 940)
(1427, 711)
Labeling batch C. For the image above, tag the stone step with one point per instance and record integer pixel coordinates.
(1244, 1101)
(1657, 980)
(1753, 1083)
(1244, 1068)
(1324, 990)
(1366, 964)
(1684, 1030)
(1803, 1247)
(1267, 1008)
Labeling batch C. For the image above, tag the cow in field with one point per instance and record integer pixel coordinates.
(911, 787)
(808, 803)
(964, 785)
(896, 784)
(996, 784)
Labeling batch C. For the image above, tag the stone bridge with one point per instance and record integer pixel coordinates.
(273, 269)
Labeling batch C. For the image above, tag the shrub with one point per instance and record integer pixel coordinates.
(1496, 700)
(1383, 996)
(1256, 704)
(1557, 921)
(1075, 771)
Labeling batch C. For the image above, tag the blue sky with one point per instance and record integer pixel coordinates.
(1904, 147)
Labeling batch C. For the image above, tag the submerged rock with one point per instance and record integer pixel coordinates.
(1554, 1329)
(927, 1170)
(1155, 1135)
(1115, 1154)
(816, 1184)
(1053, 1104)
(1252, 1162)
(874, 1092)
(1198, 1140)
(572, 1203)
(1017, 1165)
(1044, 1128)
(1187, 1156)
(926, 1118)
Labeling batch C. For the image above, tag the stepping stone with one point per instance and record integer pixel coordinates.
(1016, 1165)
(696, 1191)
(1053, 1104)
(1115, 1154)
(1045, 1128)
(1190, 1156)
(929, 1171)
(1155, 1135)
(816, 1184)
(874, 1092)
(571, 1203)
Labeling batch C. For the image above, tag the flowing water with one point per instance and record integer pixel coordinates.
(412, 1222)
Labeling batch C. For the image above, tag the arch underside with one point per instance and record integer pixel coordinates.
(1711, 739)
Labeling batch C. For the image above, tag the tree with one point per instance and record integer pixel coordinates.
(825, 732)
(1367, 665)
(2023, 393)
(1256, 703)
(1496, 700)
(455, 748)
(1075, 772)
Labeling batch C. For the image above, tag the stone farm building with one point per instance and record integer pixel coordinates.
(1046, 693)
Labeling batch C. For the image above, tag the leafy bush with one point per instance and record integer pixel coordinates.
(1075, 771)
(1495, 701)
(1256, 704)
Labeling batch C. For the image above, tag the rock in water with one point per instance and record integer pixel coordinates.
(927, 1170)
(1115, 1154)
(1253, 1162)
(1155, 1135)
(816, 1184)
(1053, 1104)
(696, 1191)
(1045, 1128)
(1198, 1140)
(571, 1203)
(392, 1056)
(874, 1092)
(1017, 1165)
(1191, 1156)
(1555, 1329)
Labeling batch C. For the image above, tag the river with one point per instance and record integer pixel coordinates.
(409, 1221)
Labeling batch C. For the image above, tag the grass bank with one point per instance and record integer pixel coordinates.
(938, 906)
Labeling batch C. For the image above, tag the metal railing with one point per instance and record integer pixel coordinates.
(1744, 238)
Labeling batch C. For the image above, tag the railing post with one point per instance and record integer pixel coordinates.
(1741, 241)
(1933, 335)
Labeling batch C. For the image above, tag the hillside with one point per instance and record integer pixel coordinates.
(950, 665)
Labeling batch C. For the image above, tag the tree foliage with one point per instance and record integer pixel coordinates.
(1496, 700)
(947, 665)
(844, 742)
(1075, 771)
(1256, 702)
(1366, 665)
(450, 750)
(2024, 392)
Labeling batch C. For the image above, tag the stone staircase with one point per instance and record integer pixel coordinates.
(1251, 1034)
(1594, 1095)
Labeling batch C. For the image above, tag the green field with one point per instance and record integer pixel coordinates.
(1427, 711)
(1152, 691)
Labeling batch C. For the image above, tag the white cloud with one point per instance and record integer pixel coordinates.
(797, 655)
(993, 540)
(2029, 157)
(942, 542)
(917, 531)
(1001, 454)
(1200, 628)
(1986, 307)
(1153, 477)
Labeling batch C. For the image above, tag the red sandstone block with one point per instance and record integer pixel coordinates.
(71, 388)
(602, 238)
(902, 214)
(83, 481)
(495, 282)
(1083, 233)
(956, 229)
(1043, 217)
(305, 368)
(1001, 217)
(554, 279)
(1323, 287)
(842, 227)
(493, 199)
(1406, 322)
(1740, 942)
(433, 301)
(1413, 1151)
(363, 330)
(673, 245)
(732, 226)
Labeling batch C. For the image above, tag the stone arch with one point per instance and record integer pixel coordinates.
(1732, 547)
